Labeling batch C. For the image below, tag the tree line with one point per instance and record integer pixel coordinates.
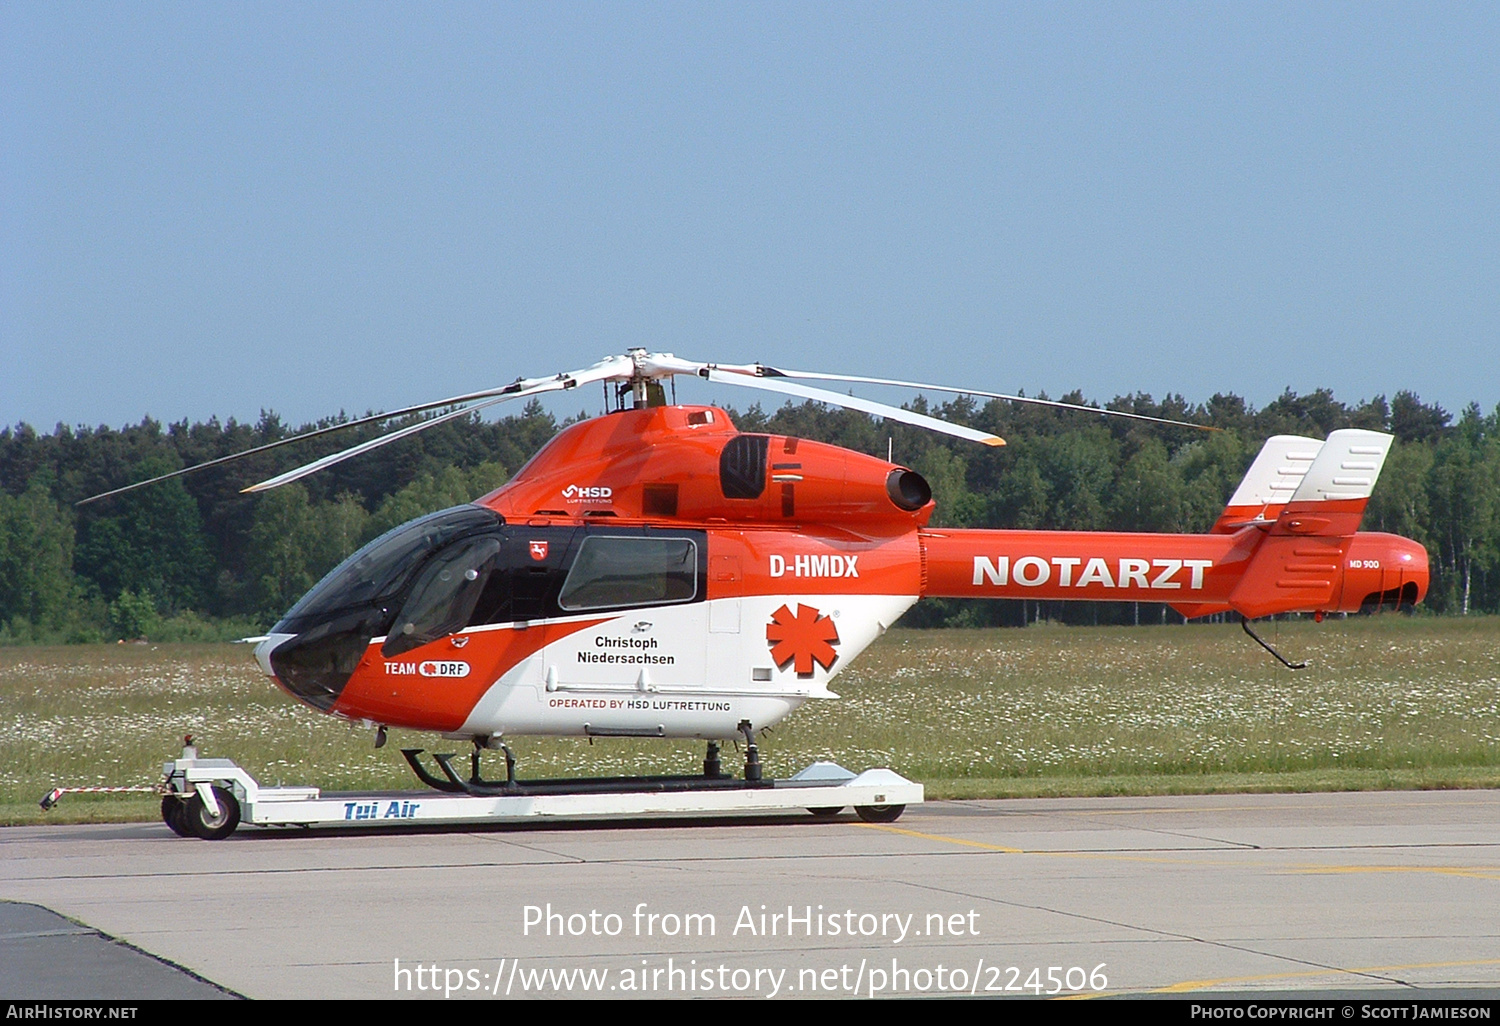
(194, 559)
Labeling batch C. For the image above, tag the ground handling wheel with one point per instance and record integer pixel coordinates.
(174, 815)
(826, 811)
(204, 824)
(879, 813)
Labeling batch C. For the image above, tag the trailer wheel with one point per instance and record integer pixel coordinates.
(205, 824)
(879, 813)
(827, 811)
(174, 815)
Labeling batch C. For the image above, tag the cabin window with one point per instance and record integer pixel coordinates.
(622, 571)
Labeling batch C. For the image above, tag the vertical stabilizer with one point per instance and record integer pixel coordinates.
(1269, 483)
(1346, 468)
(1300, 564)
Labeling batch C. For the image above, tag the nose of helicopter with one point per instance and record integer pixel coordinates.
(268, 645)
(263, 653)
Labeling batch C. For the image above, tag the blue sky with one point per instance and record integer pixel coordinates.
(213, 209)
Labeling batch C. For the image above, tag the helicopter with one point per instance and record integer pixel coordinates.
(654, 572)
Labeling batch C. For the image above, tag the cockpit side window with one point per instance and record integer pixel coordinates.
(528, 574)
(382, 568)
(444, 594)
(614, 571)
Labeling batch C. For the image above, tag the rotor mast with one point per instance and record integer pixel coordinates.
(638, 379)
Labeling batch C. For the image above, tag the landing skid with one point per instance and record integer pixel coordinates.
(452, 783)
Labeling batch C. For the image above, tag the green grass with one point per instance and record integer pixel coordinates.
(1390, 702)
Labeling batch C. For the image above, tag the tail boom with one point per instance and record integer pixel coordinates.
(1253, 571)
(1084, 566)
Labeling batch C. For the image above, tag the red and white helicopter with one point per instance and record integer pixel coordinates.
(655, 572)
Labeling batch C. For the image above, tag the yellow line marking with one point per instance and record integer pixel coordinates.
(1476, 872)
(1479, 872)
(1022, 851)
(947, 840)
(1188, 985)
(1153, 809)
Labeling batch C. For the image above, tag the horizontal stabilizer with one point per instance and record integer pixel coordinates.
(1290, 573)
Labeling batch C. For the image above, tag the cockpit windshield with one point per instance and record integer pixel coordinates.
(382, 567)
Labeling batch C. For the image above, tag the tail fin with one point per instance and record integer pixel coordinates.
(1334, 492)
(1271, 480)
(1300, 563)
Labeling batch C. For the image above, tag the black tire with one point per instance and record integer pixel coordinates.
(174, 815)
(879, 813)
(204, 824)
(827, 812)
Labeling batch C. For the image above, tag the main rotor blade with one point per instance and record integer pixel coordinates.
(813, 376)
(610, 366)
(374, 443)
(776, 384)
(603, 370)
(304, 436)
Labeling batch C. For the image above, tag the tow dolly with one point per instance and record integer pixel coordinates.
(209, 798)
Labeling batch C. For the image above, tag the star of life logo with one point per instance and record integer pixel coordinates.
(802, 638)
